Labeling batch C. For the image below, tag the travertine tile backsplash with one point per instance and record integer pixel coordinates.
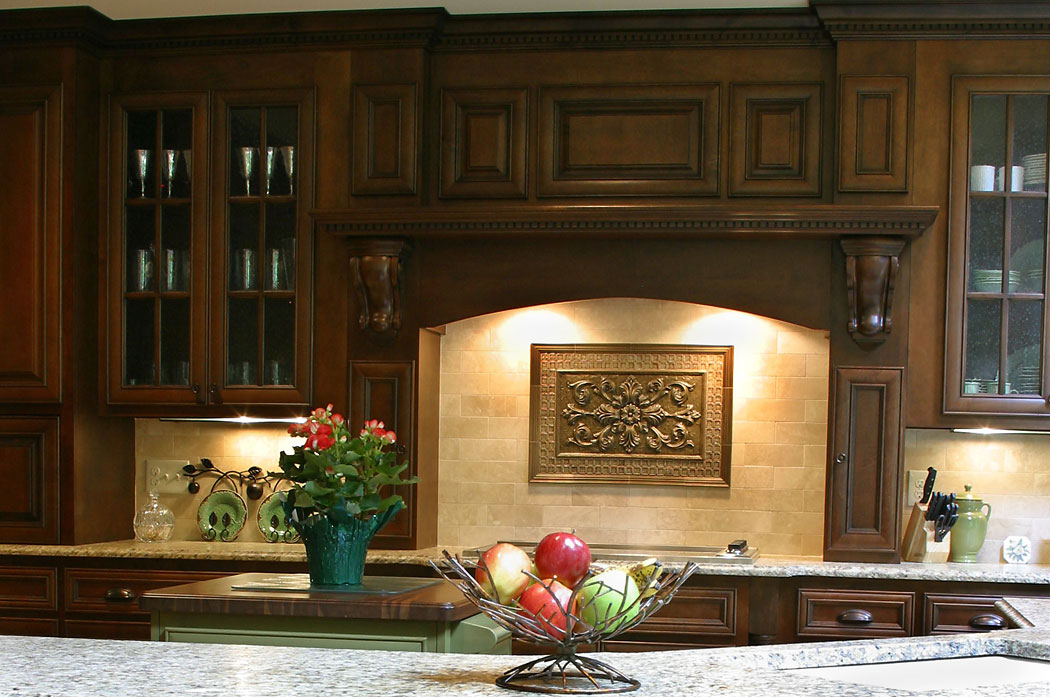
(1011, 472)
(776, 500)
(779, 421)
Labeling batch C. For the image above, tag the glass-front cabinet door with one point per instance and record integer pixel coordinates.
(996, 359)
(260, 244)
(157, 250)
(208, 283)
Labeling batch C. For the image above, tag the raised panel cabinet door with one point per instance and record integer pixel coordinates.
(154, 318)
(628, 140)
(483, 143)
(384, 391)
(29, 508)
(861, 520)
(775, 139)
(385, 137)
(30, 236)
(873, 133)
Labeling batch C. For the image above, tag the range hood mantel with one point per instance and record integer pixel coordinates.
(781, 222)
(872, 238)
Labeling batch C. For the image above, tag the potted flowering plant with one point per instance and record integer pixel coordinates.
(336, 501)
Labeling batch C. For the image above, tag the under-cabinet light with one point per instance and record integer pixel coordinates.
(997, 431)
(238, 419)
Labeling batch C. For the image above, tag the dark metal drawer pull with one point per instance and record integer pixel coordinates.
(856, 617)
(987, 621)
(119, 595)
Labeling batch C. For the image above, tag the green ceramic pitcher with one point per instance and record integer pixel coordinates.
(968, 532)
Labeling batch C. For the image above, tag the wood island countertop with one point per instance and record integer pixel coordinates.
(439, 602)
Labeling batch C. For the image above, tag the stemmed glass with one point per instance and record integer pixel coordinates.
(187, 158)
(171, 163)
(141, 173)
(271, 163)
(288, 155)
(248, 162)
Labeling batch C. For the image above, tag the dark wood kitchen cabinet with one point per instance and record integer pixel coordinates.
(208, 277)
(996, 351)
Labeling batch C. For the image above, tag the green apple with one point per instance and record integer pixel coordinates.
(601, 598)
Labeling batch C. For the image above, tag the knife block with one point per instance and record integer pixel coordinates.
(918, 543)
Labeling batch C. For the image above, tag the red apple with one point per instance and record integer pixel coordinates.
(538, 603)
(507, 565)
(564, 556)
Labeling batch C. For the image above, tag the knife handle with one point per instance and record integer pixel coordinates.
(927, 487)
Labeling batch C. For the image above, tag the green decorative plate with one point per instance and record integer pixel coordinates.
(272, 522)
(221, 515)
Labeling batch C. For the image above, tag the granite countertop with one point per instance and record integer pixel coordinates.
(770, 567)
(98, 668)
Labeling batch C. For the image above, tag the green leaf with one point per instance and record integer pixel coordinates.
(316, 490)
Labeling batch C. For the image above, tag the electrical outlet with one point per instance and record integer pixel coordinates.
(916, 478)
(166, 476)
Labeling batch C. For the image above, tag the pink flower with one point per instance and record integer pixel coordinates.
(337, 419)
(390, 436)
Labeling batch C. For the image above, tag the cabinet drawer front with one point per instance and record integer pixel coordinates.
(838, 613)
(32, 588)
(103, 629)
(952, 614)
(119, 590)
(696, 611)
(28, 626)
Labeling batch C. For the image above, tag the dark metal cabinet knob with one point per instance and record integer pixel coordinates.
(840, 458)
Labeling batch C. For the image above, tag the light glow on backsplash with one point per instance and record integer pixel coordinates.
(1010, 472)
(228, 446)
(776, 500)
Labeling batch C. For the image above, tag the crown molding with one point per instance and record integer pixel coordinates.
(933, 19)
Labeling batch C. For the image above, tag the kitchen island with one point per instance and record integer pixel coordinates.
(96, 668)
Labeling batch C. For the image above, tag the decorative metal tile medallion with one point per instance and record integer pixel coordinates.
(631, 413)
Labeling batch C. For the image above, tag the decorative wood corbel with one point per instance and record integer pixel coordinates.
(375, 268)
(871, 273)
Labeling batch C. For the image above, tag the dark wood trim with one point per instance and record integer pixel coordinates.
(722, 220)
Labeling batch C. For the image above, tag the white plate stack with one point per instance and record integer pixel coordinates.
(1034, 171)
(991, 280)
(1028, 380)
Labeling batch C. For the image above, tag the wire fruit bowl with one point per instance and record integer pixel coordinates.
(564, 671)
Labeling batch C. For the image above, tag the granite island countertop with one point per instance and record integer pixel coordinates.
(768, 567)
(58, 667)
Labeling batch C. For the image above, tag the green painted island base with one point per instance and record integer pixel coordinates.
(476, 634)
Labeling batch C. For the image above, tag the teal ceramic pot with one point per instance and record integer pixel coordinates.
(969, 530)
(336, 551)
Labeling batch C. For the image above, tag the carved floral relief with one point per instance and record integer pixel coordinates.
(631, 413)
